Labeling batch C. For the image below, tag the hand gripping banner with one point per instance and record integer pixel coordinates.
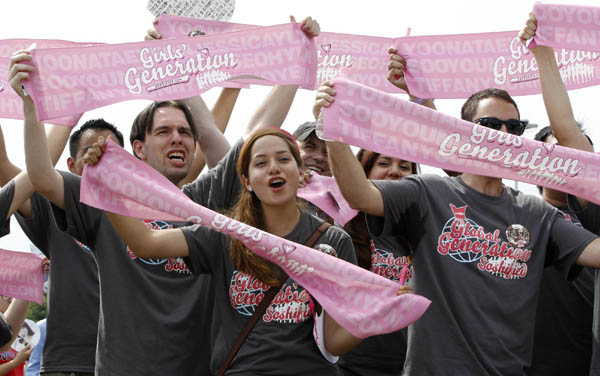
(362, 302)
(568, 26)
(21, 276)
(72, 80)
(11, 105)
(364, 57)
(456, 66)
(377, 121)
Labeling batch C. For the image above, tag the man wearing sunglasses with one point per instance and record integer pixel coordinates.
(479, 249)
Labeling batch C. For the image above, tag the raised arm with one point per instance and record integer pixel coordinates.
(396, 67)
(40, 162)
(359, 191)
(221, 113)
(274, 109)
(554, 93)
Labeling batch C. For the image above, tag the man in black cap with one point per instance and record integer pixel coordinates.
(312, 149)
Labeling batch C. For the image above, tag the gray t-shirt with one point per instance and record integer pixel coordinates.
(384, 354)
(7, 193)
(218, 189)
(562, 342)
(152, 311)
(479, 259)
(281, 343)
(74, 296)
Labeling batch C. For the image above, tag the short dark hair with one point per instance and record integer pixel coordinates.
(469, 109)
(545, 132)
(96, 125)
(142, 124)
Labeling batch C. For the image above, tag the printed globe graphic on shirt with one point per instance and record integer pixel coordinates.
(290, 304)
(170, 264)
(466, 242)
(461, 223)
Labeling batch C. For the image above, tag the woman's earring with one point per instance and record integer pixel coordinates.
(249, 188)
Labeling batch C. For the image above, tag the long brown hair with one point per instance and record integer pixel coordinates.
(248, 210)
(357, 227)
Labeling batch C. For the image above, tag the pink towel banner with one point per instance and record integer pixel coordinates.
(69, 80)
(456, 66)
(21, 276)
(568, 26)
(365, 57)
(377, 121)
(11, 106)
(324, 192)
(362, 302)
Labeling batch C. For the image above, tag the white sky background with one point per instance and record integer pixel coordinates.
(122, 21)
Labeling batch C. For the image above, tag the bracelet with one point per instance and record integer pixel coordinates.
(418, 100)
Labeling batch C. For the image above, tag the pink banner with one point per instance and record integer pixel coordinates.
(21, 276)
(456, 66)
(568, 26)
(324, 192)
(365, 57)
(362, 302)
(377, 121)
(11, 106)
(69, 80)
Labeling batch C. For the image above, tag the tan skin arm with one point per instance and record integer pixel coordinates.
(221, 113)
(38, 157)
(555, 95)
(360, 192)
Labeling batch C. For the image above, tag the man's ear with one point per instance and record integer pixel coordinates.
(71, 164)
(138, 149)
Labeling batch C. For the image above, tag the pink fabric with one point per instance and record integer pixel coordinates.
(21, 275)
(568, 26)
(365, 56)
(11, 106)
(324, 192)
(456, 66)
(362, 302)
(69, 80)
(377, 121)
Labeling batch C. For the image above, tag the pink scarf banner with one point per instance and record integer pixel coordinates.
(365, 57)
(324, 192)
(362, 302)
(456, 66)
(568, 26)
(377, 121)
(71, 80)
(11, 105)
(21, 276)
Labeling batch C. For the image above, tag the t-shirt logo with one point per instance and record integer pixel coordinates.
(465, 241)
(290, 305)
(386, 265)
(170, 265)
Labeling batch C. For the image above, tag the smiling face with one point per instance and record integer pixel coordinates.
(314, 155)
(390, 168)
(169, 145)
(273, 172)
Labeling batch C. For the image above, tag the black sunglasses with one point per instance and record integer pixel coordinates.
(513, 126)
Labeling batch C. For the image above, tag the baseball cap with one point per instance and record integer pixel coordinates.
(303, 131)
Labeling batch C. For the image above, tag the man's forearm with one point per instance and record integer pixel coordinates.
(556, 100)
(213, 143)
(360, 193)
